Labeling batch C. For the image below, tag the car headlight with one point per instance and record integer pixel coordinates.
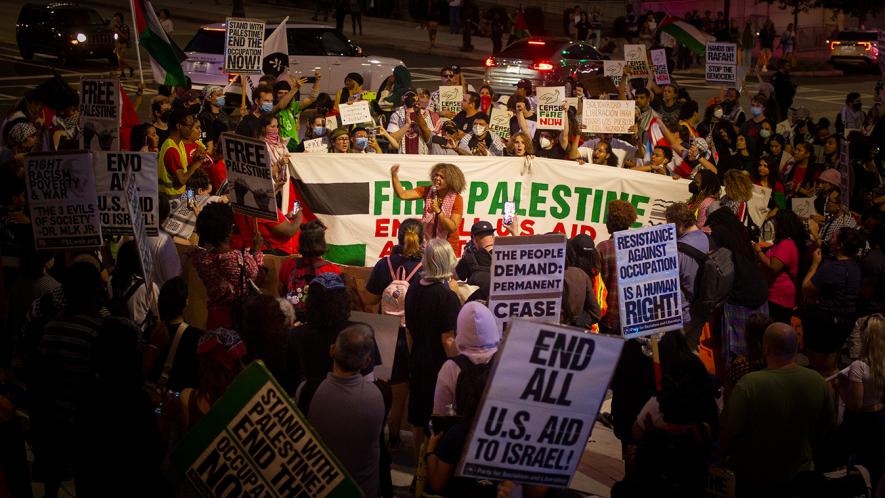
(81, 37)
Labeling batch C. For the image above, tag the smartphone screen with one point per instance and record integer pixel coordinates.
(509, 211)
(190, 198)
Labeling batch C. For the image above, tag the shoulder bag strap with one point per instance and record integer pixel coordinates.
(170, 358)
(390, 267)
(414, 271)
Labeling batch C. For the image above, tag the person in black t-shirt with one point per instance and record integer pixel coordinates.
(470, 108)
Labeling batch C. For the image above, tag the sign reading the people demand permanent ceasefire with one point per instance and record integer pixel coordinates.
(551, 115)
(499, 122)
(100, 115)
(249, 174)
(355, 113)
(110, 174)
(451, 98)
(62, 201)
(254, 442)
(648, 280)
(637, 61)
(608, 116)
(659, 63)
(721, 67)
(539, 408)
(526, 279)
(243, 42)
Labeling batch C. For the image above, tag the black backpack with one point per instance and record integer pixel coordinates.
(471, 381)
(714, 281)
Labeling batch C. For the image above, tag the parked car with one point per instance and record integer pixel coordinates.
(311, 47)
(65, 30)
(542, 61)
(856, 48)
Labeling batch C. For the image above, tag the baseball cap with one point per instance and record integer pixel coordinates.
(481, 227)
(582, 243)
(831, 176)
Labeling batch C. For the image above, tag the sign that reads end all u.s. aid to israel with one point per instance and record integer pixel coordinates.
(255, 442)
(538, 410)
(648, 280)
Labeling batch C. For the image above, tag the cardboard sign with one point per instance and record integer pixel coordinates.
(551, 116)
(757, 206)
(355, 113)
(614, 70)
(145, 257)
(249, 174)
(62, 201)
(243, 42)
(331, 122)
(648, 280)
(659, 63)
(100, 116)
(386, 329)
(608, 116)
(667, 40)
(636, 61)
(721, 63)
(255, 442)
(539, 408)
(110, 175)
(499, 122)
(451, 98)
(317, 145)
(527, 275)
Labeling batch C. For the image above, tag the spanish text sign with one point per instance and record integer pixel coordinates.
(551, 115)
(62, 200)
(254, 442)
(527, 275)
(648, 280)
(243, 46)
(721, 64)
(249, 173)
(608, 116)
(540, 405)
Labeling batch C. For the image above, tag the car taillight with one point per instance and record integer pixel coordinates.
(544, 66)
(867, 46)
(231, 78)
(833, 45)
(491, 62)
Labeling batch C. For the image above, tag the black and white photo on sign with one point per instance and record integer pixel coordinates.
(636, 61)
(551, 115)
(659, 63)
(100, 116)
(614, 70)
(250, 177)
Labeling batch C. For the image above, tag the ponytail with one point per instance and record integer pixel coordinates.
(412, 243)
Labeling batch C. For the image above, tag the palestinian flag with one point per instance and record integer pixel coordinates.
(165, 56)
(346, 202)
(686, 34)
(655, 137)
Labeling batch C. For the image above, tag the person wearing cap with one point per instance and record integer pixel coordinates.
(175, 165)
(450, 133)
(524, 89)
(411, 125)
(731, 106)
(583, 292)
(836, 216)
(213, 118)
(352, 91)
(480, 141)
(287, 94)
(796, 117)
(475, 265)
(339, 141)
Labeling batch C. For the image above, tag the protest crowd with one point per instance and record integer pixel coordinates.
(774, 373)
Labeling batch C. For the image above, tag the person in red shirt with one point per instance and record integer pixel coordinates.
(312, 245)
(443, 204)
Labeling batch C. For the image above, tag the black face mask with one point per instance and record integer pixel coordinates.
(694, 188)
(194, 109)
(409, 102)
(856, 106)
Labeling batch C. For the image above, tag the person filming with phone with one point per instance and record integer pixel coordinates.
(410, 125)
(443, 204)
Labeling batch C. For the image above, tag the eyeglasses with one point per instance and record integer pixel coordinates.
(343, 139)
(448, 75)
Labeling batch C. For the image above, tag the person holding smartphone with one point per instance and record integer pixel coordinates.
(410, 125)
(443, 204)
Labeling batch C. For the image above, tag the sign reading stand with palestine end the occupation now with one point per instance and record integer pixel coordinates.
(538, 410)
(244, 39)
(648, 280)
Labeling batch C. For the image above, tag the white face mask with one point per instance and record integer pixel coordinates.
(478, 130)
(545, 143)
(717, 114)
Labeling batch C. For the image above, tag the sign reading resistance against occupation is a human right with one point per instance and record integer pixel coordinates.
(648, 280)
(540, 405)
(244, 39)
(527, 274)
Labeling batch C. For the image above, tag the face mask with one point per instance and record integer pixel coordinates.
(361, 142)
(694, 188)
(272, 136)
(856, 106)
(409, 102)
(266, 107)
(219, 101)
(478, 130)
(718, 114)
(765, 133)
(319, 131)
(545, 143)
(756, 110)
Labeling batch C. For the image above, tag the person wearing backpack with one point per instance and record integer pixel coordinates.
(128, 287)
(404, 259)
(297, 273)
(692, 241)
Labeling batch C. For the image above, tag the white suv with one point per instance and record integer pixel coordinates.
(311, 47)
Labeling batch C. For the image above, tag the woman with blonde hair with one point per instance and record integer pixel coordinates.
(443, 204)
(431, 316)
(738, 191)
(863, 427)
(520, 145)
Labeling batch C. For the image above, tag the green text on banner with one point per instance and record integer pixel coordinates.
(249, 174)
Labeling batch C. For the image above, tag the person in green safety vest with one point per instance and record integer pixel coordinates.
(175, 166)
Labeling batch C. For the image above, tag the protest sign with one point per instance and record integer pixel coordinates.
(667, 40)
(721, 64)
(255, 442)
(608, 116)
(757, 206)
(110, 174)
(803, 206)
(845, 196)
(331, 122)
(648, 280)
(659, 61)
(62, 201)
(355, 113)
(720, 483)
(450, 98)
(540, 405)
(499, 122)
(599, 85)
(527, 275)
(133, 209)
(243, 43)
(100, 116)
(614, 70)
(636, 61)
(386, 329)
(551, 115)
(317, 145)
(249, 173)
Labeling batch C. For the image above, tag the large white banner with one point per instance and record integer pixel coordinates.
(362, 212)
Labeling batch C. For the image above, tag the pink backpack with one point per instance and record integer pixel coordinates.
(393, 299)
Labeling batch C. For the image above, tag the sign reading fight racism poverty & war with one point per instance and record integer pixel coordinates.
(110, 175)
(551, 115)
(243, 46)
(608, 116)
(526, 279)
(249, 173)
(539, 408)
(648, 280)
(659, 63)
(355, 113)
(450, 98)
(254, 442)
(100, 115)
(62, 201)
(721, 65)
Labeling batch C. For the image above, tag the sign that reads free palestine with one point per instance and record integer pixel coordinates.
(539, 408)
(110, 175)
(527, 274)
(648, 280)
(62, 201)
(249, 173)
(100, 115)
(551, 115)
(721, 66)
(608, 116)
(254, 442)
(243, 51)
(450, 98)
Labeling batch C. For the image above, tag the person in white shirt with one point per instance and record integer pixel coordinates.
(480, 141)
